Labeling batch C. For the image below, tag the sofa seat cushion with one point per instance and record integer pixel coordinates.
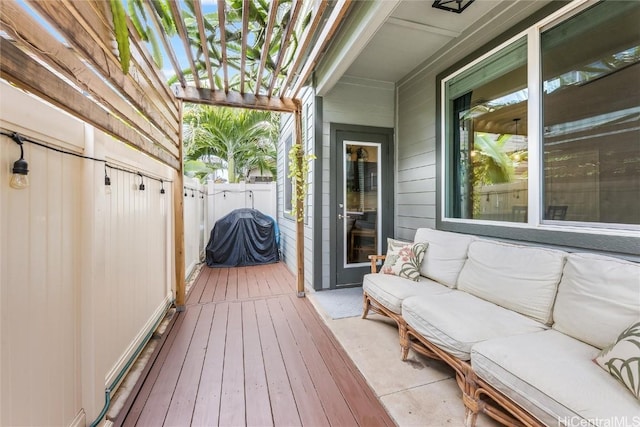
(455, 321)
(553, 376)
(390, 291)
(597, 298)
(521, 278)
(445, 256)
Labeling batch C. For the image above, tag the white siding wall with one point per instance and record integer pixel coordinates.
(84, 275)
(356, 102)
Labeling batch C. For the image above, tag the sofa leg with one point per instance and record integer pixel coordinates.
(404, 342)
(470, 418)
(366, 303)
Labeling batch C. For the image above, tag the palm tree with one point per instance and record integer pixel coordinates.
(243, 139)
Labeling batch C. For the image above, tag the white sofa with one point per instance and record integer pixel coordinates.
(520, 325)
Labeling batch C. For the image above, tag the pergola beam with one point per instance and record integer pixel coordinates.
(304, 44)
(245, 37)
(165, 42)
(203, 41)
(234, 99)
(182, 32)
(223, 42)
(267, 41)
(284, 44)
(330, 28)
(20, 69)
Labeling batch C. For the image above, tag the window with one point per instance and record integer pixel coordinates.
(578, 98)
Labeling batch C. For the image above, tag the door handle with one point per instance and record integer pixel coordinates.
(340, 216)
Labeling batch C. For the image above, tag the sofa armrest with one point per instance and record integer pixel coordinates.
(374, 262)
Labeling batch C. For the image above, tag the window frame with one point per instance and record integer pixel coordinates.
(624, 238)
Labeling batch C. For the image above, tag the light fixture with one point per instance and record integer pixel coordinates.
(516, 120)
(107, 181)
(456, 6)
(20, 178)
(141, 186)
(161, 187)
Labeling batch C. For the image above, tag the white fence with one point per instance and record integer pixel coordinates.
(86, 270)
(224, 198)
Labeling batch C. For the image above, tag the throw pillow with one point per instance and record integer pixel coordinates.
(404, 259)
(622, 359)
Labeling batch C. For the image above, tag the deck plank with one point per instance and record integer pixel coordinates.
(220, 292)
(283, 404)
(212, 284)
(304, 391)
(247, 351)
(232, 403)
(156, 408)
(255, 378)
(337, 410)
(183, 401)
(363, 402)
(207, 405)
(243, 285)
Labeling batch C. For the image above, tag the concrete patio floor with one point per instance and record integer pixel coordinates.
(418, 392)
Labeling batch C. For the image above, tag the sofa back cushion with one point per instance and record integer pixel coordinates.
(597, 298)
(520, 278)
(445, 256)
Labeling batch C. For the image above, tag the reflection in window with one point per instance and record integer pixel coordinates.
(489, 159)
(591, 104)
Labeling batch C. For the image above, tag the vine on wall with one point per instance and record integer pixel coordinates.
(299, 174)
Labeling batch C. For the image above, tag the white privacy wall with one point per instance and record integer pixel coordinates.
(84, 274)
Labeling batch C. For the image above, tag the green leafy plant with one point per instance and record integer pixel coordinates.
(299, 174)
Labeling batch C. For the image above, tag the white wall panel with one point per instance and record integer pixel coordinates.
(84, 274)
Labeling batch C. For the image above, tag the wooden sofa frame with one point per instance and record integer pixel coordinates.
(477, 395)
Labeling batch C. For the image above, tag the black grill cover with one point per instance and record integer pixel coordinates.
(243, 237)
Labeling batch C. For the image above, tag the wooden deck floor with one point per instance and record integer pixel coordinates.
(247, 351)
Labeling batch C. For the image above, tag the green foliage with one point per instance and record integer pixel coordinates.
(122, 33)
(242, 139)
(491, 165)
(299, 166)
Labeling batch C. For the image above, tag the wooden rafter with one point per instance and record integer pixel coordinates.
(284, 44)
(330, 28)
(267, 41)
(203, 41)
(134, 86)
(28, 33)
(245, 36)
(303, 45)
(223, 42)
(233, 99)
(164, 38)
(182, 32)
(20, 69)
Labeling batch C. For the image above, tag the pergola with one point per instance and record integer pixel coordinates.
(74, 63)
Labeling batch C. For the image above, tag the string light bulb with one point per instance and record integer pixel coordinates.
(20, 178)
(161, 187)
(107, 182)
(141, 186)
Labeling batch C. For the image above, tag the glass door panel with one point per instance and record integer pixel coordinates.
(361, 203)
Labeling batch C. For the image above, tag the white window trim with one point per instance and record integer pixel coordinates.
(534, 115)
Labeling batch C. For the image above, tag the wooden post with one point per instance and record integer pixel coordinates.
(299, 205)
(178, 215)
